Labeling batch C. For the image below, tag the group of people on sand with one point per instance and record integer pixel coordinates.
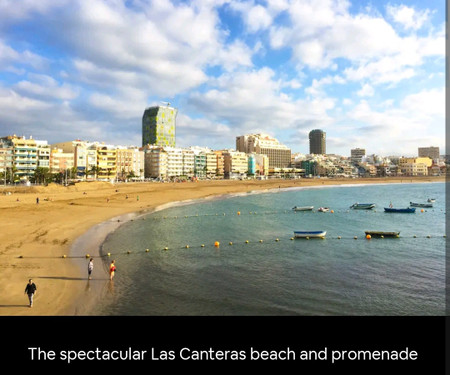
(31, 289)
(112, 269)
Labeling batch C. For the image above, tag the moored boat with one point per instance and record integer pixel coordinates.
(431, 200)
(400, 210)
(323, 209)
(310, 234)
(412, 204)
(376, 233)
(362, 206)
(302, 208)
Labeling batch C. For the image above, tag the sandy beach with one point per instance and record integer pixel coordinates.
(48, 241)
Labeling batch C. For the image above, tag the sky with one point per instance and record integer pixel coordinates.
(371, 74)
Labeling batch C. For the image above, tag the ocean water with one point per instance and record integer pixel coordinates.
(272, 274)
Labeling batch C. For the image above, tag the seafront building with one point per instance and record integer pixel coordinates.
(159, 126)
(60, 161)
(235, 164)
(430, 152)
(415, 166)
(130, 163)
(279, 155)
(6, 163)
(317, 142)
(211, 164)
(106, 162)
(357, 154)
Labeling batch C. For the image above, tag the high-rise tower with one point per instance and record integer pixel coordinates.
(158, 126)
(317, 142)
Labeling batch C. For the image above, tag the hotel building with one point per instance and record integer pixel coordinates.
(279, 155)
(431, 152)
(158, 126)
(61, 161)
(415, 166)
(130, 162)
(24, 155)
(235, 164)
(357, 154)
(317, 142)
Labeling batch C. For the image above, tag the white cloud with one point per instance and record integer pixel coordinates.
(418, 120)
(253, 101)
(366, 90)
(408, 17)
(323, 31)
(46, 87)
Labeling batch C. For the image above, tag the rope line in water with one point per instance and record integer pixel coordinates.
(255, 213)
(241, 244)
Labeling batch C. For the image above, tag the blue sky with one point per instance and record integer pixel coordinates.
(369, 73)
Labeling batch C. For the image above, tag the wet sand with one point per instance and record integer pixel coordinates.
(48, 241)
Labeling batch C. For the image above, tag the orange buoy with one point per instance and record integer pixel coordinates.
(368, 236)
(217, 244)
(239, 212)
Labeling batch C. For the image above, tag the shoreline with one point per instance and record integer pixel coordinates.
(39, 235)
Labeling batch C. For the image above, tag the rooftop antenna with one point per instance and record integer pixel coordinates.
(166, 103)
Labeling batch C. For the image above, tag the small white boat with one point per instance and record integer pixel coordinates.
(362, 206)
(429, 205)
(310, 234)
(302, 208)
(431, 200)
(323, 209)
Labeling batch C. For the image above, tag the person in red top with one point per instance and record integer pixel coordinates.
(112, 270)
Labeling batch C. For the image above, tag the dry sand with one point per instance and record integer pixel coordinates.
(35, 237)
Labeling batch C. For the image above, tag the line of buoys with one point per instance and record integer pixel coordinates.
(217, 244)
(239, 213)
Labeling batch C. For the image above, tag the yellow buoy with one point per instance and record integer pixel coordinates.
(332, 211)
(64, 256)
(239, 212)
(355, 238)
(187, 246)
(203, 245)
(414, 236)
(246, 241)
(307, 238)
(368, 236)
(428, 236)
(277, 239)
(339, 237)
(292, 238)
(261, 241)
(217, 244)
(166, 248)
(147, 250)
(128, 252)
(87, 255)
(382, 236)
(109, 254)
(230, 243)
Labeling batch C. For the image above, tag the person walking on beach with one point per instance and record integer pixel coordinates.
(90, 267)
(30, 289)
(112, 270)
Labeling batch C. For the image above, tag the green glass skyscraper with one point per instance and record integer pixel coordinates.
(158, 126)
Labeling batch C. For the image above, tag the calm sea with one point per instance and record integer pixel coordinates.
(331, 276)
